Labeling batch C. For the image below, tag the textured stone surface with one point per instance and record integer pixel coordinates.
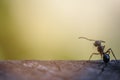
(58, 70)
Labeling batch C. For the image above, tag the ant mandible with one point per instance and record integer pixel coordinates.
(100, 48)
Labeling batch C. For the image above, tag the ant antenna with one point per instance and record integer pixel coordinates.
(90, 39)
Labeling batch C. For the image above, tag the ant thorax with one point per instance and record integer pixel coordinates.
(100, 49)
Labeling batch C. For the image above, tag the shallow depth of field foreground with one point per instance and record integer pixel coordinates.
(59, 70)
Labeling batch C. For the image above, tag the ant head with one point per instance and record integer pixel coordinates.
(97, 43)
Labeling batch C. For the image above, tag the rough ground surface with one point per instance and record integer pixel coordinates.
(59, 70)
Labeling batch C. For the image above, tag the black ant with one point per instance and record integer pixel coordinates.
(100, 48)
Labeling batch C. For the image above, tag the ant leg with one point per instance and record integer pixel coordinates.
(93, 54)
(108, 51)
(104, 67)
(101, 56)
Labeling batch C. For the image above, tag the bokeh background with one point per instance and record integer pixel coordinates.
(49, 29)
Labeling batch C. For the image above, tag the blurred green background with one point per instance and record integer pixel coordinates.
(49, 29)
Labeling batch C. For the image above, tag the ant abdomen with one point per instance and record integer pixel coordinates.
(106, 58)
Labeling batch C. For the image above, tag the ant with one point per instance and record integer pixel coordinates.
(100, 48)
